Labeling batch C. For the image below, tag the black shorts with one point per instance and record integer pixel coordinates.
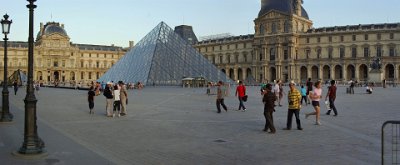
(315, 103)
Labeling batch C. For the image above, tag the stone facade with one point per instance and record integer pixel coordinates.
(285, 46)
(59, 60)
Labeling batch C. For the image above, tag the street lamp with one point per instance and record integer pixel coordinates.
(32, 145)
(6, 116)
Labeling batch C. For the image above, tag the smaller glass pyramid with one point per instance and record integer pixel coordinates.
(162, 57)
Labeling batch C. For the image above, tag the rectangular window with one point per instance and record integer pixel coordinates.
(220, 59)
(319, 53)
(341, 38)
(330, 38)
(55, 64)
(261, 56)
(378, 36)
(90, 75)
(308, 40)
(391, 36)
(341, 52)
(229, 47)
(366, 52)
(97, 64)
(391, 51)
(307, 54)
(366, 37)
(319, 39)
(379, 51)
(285, 54)
(245, 45)
(330, 51)
(63, 63)
(82, 75)
(354, 38)
(354, 52)
(81, 64)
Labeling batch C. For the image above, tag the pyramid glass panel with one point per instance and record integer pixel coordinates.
(162, 57)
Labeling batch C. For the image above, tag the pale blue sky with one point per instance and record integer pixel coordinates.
(106, 22)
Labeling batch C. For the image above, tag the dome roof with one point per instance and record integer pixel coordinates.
(51, 28)
(54, 28)
(285, 6)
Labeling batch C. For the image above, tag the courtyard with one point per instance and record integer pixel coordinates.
(173, 125)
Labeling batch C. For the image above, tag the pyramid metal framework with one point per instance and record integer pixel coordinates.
(162, 58)
(18, 76)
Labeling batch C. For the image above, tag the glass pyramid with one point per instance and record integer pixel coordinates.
(162, 57)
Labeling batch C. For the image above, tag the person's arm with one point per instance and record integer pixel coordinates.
(327, 94)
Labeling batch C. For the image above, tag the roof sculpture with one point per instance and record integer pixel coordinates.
(162, 57)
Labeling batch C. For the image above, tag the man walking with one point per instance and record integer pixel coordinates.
(241, 92)
(221, 92)
(332, 96)
(123, 97)
(269, 104)
(294, 98)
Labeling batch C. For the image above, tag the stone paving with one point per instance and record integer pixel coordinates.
(168, 125)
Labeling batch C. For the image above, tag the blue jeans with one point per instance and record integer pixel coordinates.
(241, 105)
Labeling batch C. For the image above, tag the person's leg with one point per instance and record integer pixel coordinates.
(317, 111)
(123, 106)
(297, 115)
(271, 122)
(333, 107)
(266, 127)
(223, 105)
(289, 119)
(218, 105)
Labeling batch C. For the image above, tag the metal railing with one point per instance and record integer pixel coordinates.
(394, 142)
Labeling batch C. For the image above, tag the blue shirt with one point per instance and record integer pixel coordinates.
(303, 92)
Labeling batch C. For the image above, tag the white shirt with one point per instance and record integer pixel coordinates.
(276, 89)
(117, 93)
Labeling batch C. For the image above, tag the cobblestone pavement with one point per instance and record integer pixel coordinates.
(168, 125)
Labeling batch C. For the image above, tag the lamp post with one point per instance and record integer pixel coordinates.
(32, 144)
(6, 116)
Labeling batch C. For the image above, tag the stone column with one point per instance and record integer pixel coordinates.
(332, 67)
(309, 71)
(356, 72)
(345, 73)
(244, 74)
(235, 74)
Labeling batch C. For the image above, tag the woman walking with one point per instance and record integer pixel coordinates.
(117, 101)
(315, 96)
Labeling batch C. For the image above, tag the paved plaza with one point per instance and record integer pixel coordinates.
(168, 125)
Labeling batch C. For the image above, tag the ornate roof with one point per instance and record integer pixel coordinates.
(284, 6)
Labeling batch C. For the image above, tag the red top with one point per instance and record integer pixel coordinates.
(241, 90)
(332, 92)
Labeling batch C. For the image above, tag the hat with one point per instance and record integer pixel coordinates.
(292, 82)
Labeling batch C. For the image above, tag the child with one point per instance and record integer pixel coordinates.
(91, 95)
(117, 101)
(303, 95)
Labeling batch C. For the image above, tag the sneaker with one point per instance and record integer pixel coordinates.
(113, 115)
(327, 113)
(119, 115)
(244, 110)
(300, 128)
(317, 123)
(335, 115)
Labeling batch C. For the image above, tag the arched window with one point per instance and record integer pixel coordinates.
(262, 29)
(272, 54)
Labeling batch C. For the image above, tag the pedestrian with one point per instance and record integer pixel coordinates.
(221, 93)
(109, 99)
(315, 96)
(91, 95)
(269, 99)
(124, 97)
(281, 93)
(303, 92)
(332, 97)
(117, 101)
(294, 106)
(15, 84)
(277, 91)
(37, 87)
(240, 93)
(309, 85)
(352, 87)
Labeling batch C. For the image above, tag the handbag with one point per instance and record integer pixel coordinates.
(244, 98)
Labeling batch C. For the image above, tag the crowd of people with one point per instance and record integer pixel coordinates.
(272, 96)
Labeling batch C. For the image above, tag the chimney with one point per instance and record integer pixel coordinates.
(41, 27)
(131, 44)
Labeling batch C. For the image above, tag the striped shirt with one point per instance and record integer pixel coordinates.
(294, 98)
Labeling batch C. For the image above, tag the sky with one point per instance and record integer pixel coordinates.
(107, 22)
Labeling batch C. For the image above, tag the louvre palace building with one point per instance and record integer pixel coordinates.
(285, 46)
(57, 59)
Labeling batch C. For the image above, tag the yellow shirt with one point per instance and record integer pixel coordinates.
(294, 98)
